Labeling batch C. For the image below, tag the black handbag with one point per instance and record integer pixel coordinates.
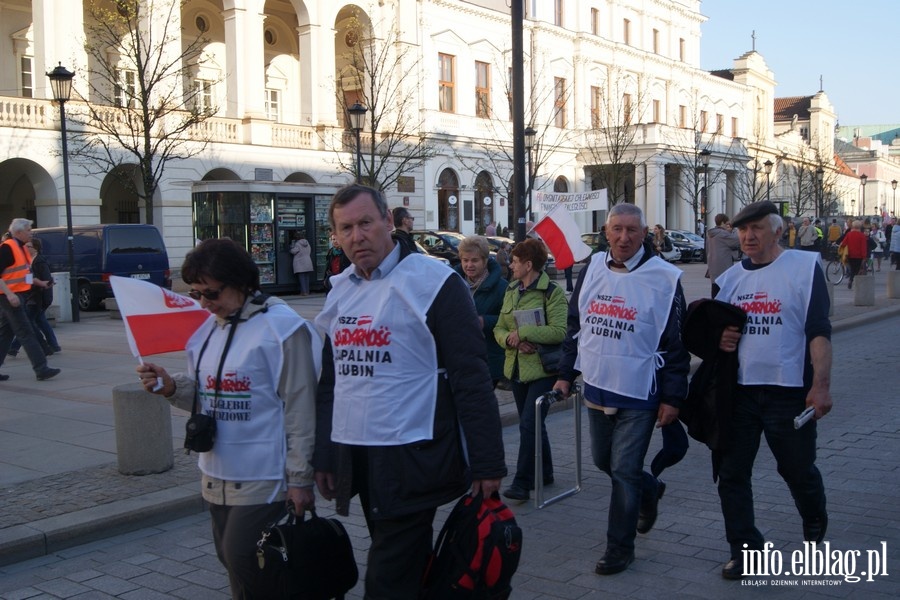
(549, 355)
(310, 559)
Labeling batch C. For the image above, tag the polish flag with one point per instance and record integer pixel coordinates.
(156, 320)
(561, 234)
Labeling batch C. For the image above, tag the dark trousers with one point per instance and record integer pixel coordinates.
(42, 329)
(525, 395)
(400, 548)
(767, 410)
(675, 446)
(14, 323)
(854, 265)
(236, 529)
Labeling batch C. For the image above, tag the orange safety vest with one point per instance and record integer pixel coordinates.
(18, 275)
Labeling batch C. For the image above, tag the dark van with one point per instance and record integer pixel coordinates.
(134, 251)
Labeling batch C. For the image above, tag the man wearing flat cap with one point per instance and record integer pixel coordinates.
(784, 355)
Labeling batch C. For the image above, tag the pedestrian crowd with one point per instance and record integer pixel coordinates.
(388, 394)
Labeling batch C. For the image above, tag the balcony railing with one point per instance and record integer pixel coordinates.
(26, 112)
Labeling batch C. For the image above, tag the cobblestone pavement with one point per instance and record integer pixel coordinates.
(57, 466)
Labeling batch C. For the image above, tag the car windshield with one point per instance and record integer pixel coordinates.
(453, 238)
(692, 236)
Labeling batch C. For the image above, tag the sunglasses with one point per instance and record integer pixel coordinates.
(208, 294)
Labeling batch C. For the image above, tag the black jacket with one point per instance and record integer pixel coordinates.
(412, 477)
(40, 296)
(707, 410)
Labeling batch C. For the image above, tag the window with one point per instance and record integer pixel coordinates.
(27, 69)
(559, 95)
(626, 31)
(720, 124)
(656, 41)
(273, 105)
(704, 121)
(596, 100)
(595, 21)
(126, 89)
(681, 49)
(203, 97)
(482, 89)
(682, 116)
(558, 12)
(626, 109)
(734, 127)
(657, 111)
(446, 84)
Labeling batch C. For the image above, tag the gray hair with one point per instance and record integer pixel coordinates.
(20, 224)
(776, 221)
(628, 210)
(348, 194)
(475, 243)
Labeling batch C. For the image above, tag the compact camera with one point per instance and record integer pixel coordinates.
(199, 433)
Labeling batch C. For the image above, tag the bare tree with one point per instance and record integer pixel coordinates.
(618, 105)
(700, 159)
(383, 74)
(142, 105)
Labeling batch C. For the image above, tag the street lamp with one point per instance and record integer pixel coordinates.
(768, 167)
(704, 158)
(357, 114)
(529, 134)
(863, 179)
(61, 84)
(820, 196)
(894, 201)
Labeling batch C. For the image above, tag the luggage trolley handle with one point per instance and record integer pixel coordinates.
(550, 398)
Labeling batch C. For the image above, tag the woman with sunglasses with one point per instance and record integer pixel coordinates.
(253, 368)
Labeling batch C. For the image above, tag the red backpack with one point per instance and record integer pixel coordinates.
(476, 553)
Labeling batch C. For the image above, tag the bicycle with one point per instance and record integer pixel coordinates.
(834, 268)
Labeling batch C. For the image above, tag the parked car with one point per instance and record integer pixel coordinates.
(422, 250)
(596, 241)
(440, 243)
(136, 251)
(494, 242)
(692, 246)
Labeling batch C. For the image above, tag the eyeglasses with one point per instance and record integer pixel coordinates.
(208, 294)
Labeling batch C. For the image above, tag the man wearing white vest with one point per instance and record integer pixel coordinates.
(406, 412)
(624, 337)
(784, 355)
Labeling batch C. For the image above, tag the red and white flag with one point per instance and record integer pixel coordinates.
(561, 234)
(156, 320)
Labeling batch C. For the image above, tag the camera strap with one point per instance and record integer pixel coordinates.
(233, 320)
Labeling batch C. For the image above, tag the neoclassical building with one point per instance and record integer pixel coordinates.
(614, 92)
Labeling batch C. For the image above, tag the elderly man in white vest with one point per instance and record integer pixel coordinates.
(624, 337)
(406, 411)
(784, 354)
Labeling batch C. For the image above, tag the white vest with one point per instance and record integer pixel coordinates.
(385, 359)
(776, 299)
(623, 316)
(250, 440)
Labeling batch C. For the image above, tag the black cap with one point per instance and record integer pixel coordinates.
(754, 212)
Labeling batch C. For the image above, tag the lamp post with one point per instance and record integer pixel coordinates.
(704, 158)
(894, 200)
(768, 167)
(528, 135)
(357, 114)
(820, 196)
(61, 85)
(863, 179)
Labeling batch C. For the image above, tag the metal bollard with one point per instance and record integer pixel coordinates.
(550, 398)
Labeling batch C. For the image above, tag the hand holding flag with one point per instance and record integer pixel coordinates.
(560, 232)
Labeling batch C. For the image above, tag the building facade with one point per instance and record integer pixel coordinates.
(614, 92)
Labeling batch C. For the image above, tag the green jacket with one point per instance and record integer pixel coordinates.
(527, 367)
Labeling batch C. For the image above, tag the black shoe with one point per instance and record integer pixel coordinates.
(614, 561)
(57, 349)
(47, 373)
(4, 377)
(48, 351)
(514, 492)
(648, 513)
(504, 384)
(733, 569)
(548, 481)
(814, 531)
(12, 353)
